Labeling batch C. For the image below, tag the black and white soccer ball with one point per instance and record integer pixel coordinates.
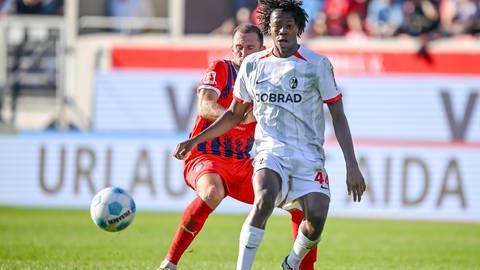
(112, 209)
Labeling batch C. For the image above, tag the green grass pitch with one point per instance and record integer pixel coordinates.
(66, 239)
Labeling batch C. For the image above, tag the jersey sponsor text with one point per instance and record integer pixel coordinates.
(278, 97)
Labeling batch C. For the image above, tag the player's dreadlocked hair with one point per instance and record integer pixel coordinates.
(268, 6)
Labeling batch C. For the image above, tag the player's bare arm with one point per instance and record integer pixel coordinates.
(208, 107)
(228, 120)
(355, 181)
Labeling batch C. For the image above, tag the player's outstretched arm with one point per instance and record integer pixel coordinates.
(355, 181)
(229, 119)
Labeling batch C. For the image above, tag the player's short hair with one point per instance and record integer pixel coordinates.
(295, 6)
(249, 28)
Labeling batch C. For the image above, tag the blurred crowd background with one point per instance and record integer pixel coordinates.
(355, 19)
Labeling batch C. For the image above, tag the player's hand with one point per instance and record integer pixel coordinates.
(182, 149)
(355, 183)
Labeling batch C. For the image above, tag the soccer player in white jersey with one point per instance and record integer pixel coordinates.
(287, 85)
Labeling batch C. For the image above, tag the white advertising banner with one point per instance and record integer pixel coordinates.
(435, 181)
(393, 107)
(145, 101)
(413, 107)
(67, 170)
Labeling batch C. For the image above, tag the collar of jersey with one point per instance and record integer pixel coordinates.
(296, 54)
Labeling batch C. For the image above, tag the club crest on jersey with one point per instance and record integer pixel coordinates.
(209, 77)
(293, 82)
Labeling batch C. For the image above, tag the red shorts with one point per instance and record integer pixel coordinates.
(236, 174)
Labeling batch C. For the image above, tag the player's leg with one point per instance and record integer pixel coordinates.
(308, 262)
(315, 207)
(243, 192)
(210, 193)
(266, 186)
(210, 189)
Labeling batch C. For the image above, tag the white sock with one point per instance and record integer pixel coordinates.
(250, 238)
(301, 247)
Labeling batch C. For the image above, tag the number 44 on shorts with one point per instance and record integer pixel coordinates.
(323, 181)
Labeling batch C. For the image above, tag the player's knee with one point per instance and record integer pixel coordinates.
(212, 195)
(314, 223)
(317, 218)
(264, 202)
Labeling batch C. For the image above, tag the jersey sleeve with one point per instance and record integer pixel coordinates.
(240, 89)
(326, 84)
(214, 78)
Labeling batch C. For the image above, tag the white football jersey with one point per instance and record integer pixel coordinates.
(288, 96)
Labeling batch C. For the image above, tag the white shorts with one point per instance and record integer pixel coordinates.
(299, 177)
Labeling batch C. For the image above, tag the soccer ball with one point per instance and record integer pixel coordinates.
(112, 209)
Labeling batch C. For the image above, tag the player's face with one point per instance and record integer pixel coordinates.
(284, 32)
(243, 45)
